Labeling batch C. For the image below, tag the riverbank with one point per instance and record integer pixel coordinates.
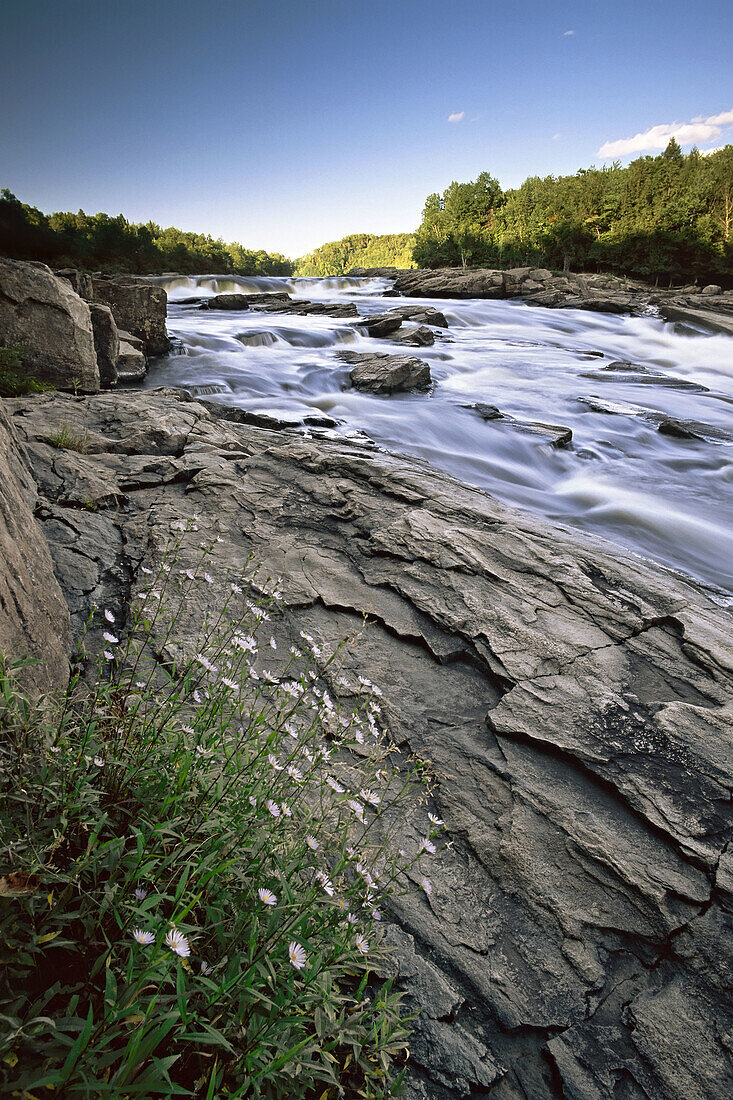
(574, 700)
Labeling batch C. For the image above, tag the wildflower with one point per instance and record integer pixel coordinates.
(188, 729)
(109, 616)
(196, 697)
(236, 589)
(427, 886)
(297, 955)
(435, 820)
(190, 574)
(99, 761)
(141, 893)
(108, 655)
(273, 807)
(295, 773)
(252, 800)
(177, 943)
(206, 969)
(231, 684)
(266, 896)
(140, 684)
(359, 737)
(146, 570)
(428, 846)
(143, 938)
(369, 796)
(376, 915)
(357, 808)
(286, 809)
(361, 944)
(208, 579)
(334, 785)
(165, 567)
(351, 918)
(273, 643)
(274, 762)
(55, 748)
(312, 843)
(325, 883)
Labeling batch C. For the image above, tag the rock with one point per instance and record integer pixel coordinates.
(383, 325)
(131, 364)
(575, 702)
(138, 307)
(424, 315)
(556, 434)
(106, 343)
(698, 318)
(34, 618)
(378, 373)
(43, 314)
(486, 412)
(677, 428)
(450, 282)
(81, 282)
(242, 301)
(711, 289)
(416, 337)
(128, 338)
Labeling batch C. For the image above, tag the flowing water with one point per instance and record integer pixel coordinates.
(664, 496)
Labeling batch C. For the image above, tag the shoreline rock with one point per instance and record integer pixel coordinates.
(574, 699)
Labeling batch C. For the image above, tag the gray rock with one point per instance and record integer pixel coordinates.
(138, 307)
(379, 373)
(711, 289)
(418, 336)
(382, 325)
(42, 313)
(574, 700)
(106, 343)
(81, 281)
(131, 364)
(34, 618)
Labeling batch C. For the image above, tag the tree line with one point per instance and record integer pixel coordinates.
(664, 218)
(99, 242)
(358, 250)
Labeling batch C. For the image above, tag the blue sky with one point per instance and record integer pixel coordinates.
(285, 124)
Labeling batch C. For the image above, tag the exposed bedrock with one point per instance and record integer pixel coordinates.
(576, 703)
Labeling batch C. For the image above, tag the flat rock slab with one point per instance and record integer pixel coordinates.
(575, 701)
(377, 373)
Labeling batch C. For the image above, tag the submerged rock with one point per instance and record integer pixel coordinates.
(575, 702)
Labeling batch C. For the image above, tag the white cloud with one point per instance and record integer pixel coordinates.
(566, 34)
(457, 116)
(658, 137)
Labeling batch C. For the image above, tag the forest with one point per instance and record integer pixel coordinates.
(358, 250)
(98, 242)
(666, 219)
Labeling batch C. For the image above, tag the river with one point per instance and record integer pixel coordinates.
(666, 497)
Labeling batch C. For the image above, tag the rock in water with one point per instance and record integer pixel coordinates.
(42, 313)
(575, 701)
(379, 373)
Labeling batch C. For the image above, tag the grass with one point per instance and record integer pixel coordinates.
(69, 440)
(194, 859)
(15, 380)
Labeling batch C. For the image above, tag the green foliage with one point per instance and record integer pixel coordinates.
(358, 250)
(192, 857)
(67, 439)
(99, 242)
(15, 381)
(666, 217)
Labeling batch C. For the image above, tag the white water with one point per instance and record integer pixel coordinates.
(667, 498)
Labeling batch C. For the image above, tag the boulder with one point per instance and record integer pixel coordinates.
(131, 364)
(42, 313)
(106, 343)
(424, 315)
(417, 337)
(138, 307)
(34, 617)
(378, 373)
(382, 325)
(711, 289)
(81, 281)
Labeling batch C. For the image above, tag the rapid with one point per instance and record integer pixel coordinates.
(613, 380)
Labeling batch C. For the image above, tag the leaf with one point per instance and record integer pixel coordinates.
(18, 884)
(48, 937)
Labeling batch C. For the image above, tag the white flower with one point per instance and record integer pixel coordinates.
(109, 616)
(141, 893)
(266, 896)
(208, 579)
(108, 655)
(427, 886)
(196, 697)
(99, 761)
(273, 643)
(351, 918)
(312, 843)
(165, 567)
(376, 914)
(369, 796)
(177, 943)
(361, 944)
(273, 807)
(325, 883)
(274, 762)
(146, 570)
(252, 800)
(428, 846)
(295, 773)
(334, 785)
(297, 955)
(286, 809)
(357, 808)
(231, 684)
(435, 820)
(55, 748)
(236, 589)
(144, 938)
(206, 969)
(359, 737)
(188, 729)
